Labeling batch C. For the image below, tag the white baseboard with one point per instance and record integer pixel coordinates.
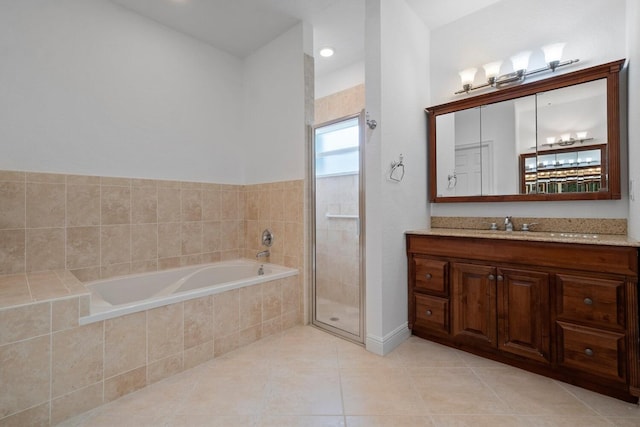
(385, 345)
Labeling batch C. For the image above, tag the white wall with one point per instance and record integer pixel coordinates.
(91, 88)
(342, 79)
(594, 32)
(397, 49)
(274, 113)
(633, 84)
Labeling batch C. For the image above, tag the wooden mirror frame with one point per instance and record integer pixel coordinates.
(609, 71)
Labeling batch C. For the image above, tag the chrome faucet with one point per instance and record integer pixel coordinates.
(508, 224)
(262, 254)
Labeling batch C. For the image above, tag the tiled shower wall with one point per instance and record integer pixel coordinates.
(337, 254)
(337, 240)
(340, 104)
(99, 227)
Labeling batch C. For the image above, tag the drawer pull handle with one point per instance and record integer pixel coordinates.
(428, 276)
(588, 352)
(492, 277)
(500, 278)
(588, 301)
(428, 312)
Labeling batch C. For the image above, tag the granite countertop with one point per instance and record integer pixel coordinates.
(534, 236)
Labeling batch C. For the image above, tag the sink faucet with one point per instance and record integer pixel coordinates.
(508, 224)
(263, 254)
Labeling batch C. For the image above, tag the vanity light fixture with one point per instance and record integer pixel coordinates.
(566, 139)
(520, 62)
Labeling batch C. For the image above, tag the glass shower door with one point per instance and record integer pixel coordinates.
(338, 291)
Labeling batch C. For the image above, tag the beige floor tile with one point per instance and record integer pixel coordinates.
(226, 395)
(304, 391)
(157, 401)
(305, 377)
(389, 421)
(530, 394)
(372, 392)
(302, 421)
(623, 422)
(479, 421)
(559, 421)
(355, 357)
(195, 420)
(422, 353)
(122, 420)
(604, 405)
(456, 391)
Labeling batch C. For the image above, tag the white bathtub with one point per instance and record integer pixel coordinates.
(129, 294)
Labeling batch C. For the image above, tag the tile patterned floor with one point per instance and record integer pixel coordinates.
(305, 377)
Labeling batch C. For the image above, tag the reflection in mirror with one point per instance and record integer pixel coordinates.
(493, 147)
(477, 148)
(568, 170)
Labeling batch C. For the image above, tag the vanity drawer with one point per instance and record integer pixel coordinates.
(432, 313)
(592, 351)
(596, 301)
(431, 275)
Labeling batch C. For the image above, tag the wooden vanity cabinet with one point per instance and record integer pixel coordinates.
(568, 311)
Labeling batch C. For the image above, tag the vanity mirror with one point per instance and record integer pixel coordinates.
(552, 139)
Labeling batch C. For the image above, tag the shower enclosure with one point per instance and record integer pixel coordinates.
(337, 204)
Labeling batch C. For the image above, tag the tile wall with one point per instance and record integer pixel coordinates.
(336, 240)
(99, 227)
(51, 368)
(340, 104)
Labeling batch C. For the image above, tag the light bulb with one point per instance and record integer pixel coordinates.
(581, 135)
(520, 61)
(565, 137)
(492, 69)
(551, 140)
(326, 52)
(553, 52)
(467, 76)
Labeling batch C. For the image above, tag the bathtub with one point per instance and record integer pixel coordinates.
(129, 294)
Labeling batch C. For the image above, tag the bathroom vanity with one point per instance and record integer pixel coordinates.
(562, 306)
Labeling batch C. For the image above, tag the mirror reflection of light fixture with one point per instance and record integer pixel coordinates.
(566, 139)
(520, 62)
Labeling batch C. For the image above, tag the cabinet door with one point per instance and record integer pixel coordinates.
(473, 300)
(523, 313)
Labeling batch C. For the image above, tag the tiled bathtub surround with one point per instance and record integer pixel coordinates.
(99, 227)
(51, 368)
(557, 225)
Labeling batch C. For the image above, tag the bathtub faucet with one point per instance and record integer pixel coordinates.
(263, 254)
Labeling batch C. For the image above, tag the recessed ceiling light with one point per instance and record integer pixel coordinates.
(326, 52)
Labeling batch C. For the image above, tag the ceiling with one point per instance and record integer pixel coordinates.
(243, 26)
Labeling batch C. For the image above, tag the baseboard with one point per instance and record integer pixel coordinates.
(385, 345)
